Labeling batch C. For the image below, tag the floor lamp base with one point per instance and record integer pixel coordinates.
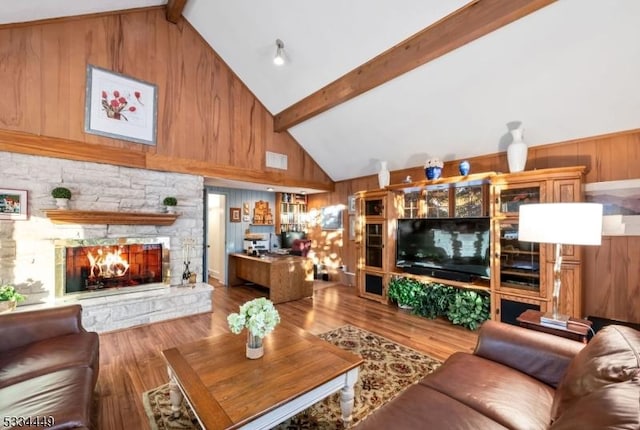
(559, 321)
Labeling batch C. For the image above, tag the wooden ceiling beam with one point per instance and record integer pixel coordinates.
(174, 10)
(466, 24)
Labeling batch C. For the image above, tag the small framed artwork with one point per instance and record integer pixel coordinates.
(13, 204)
(352, 227)
(351, 204)
(120, 107)
(331, 218)
(235, 214)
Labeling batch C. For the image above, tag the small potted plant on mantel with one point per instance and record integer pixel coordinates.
(170, 204)
(62, 196)
(9, 297)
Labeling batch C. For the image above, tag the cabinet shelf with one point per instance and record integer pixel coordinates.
(62, 216)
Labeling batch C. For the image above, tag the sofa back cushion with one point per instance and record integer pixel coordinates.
(22, 328)
(607, 370)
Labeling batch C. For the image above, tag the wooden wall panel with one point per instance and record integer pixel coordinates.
(205, 113)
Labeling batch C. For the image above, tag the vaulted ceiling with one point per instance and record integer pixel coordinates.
(566, 70)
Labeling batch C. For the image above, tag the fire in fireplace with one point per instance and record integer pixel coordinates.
(110, 264)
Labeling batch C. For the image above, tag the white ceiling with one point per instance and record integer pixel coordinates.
(567, 71)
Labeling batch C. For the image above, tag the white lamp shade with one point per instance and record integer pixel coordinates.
(564, 223)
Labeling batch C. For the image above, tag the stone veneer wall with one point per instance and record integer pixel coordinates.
(26, 247)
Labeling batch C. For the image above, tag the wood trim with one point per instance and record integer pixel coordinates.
(174, 10)
(61, 216)
(453, 31)
(26, 143)
(78, 17)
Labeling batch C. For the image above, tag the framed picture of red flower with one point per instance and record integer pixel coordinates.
(120, 107)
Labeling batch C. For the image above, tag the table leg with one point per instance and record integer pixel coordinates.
(175, 395)
(347, 395)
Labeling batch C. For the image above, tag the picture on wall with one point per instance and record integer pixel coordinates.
(13, 204)
(331, 218)
(234, 214)
(351, 204)
(620, 205)
(120, 107)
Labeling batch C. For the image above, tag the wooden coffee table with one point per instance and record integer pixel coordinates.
(228, 391)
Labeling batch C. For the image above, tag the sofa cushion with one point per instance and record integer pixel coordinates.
(66, 395)
(614, 406)
(49, 355)
(612, 356)
(505, 395)
(420, 407)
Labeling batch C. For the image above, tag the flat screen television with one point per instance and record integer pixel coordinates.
(287, 238)
(447, 248)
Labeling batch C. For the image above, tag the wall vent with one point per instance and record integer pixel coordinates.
(277, 161)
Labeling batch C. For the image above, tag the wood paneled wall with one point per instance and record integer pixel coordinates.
(612, 274)
(209, 123)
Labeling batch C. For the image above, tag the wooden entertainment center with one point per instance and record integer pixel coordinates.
(521, 273)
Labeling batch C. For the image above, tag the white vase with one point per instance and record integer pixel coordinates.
(517, 152)
(383, 175)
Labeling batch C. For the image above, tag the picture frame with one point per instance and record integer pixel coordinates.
(120, 107)
(351, 204)
(235, 214)
(620, 205)
(13, 204)
(352, 227)
(331, 218)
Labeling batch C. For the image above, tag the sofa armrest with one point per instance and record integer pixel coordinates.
(22, 328)
(540, 355)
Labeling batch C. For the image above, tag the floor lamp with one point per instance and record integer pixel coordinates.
(560, 223)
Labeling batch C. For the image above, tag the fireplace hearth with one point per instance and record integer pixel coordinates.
(90, 267)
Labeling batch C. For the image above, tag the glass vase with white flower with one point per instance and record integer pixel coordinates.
(433, 168)
(259, 316)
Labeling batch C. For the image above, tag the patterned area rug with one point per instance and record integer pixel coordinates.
(388, 369)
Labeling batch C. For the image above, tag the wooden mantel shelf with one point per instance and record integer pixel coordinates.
(61, 216)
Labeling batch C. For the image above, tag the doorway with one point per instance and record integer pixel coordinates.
(215, 237)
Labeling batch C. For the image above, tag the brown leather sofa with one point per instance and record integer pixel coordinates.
(522, 379)
(48, 369)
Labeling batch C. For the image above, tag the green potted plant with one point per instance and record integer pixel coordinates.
(9, 297)
(469, 309)
(62, 196)
(405, 291)
(170, 204)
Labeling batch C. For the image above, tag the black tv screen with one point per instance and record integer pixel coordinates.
(444, 246)
(287, 238)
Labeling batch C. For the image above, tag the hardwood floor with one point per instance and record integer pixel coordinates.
(131, 360)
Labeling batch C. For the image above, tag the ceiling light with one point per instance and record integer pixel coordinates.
(270, 189)
(278, 60)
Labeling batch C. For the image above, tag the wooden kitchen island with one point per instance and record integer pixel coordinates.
(288, 277)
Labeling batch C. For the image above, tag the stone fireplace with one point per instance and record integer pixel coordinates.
(108, 266)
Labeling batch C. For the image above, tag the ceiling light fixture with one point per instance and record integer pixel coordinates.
(270, 189)
(278, 60)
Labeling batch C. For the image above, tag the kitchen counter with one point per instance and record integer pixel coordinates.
(288, 277)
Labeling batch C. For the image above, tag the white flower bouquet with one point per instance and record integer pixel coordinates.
(434, 162)
(259, 316)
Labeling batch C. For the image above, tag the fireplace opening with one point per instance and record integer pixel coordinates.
(111, 264)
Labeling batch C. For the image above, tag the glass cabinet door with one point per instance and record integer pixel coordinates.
(374, 207)
(373, 235)
(437, 202)
(469, 201)
(519, 261)
(512, 196)
(412, 204)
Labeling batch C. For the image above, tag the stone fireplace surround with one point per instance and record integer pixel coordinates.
(27, 248)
